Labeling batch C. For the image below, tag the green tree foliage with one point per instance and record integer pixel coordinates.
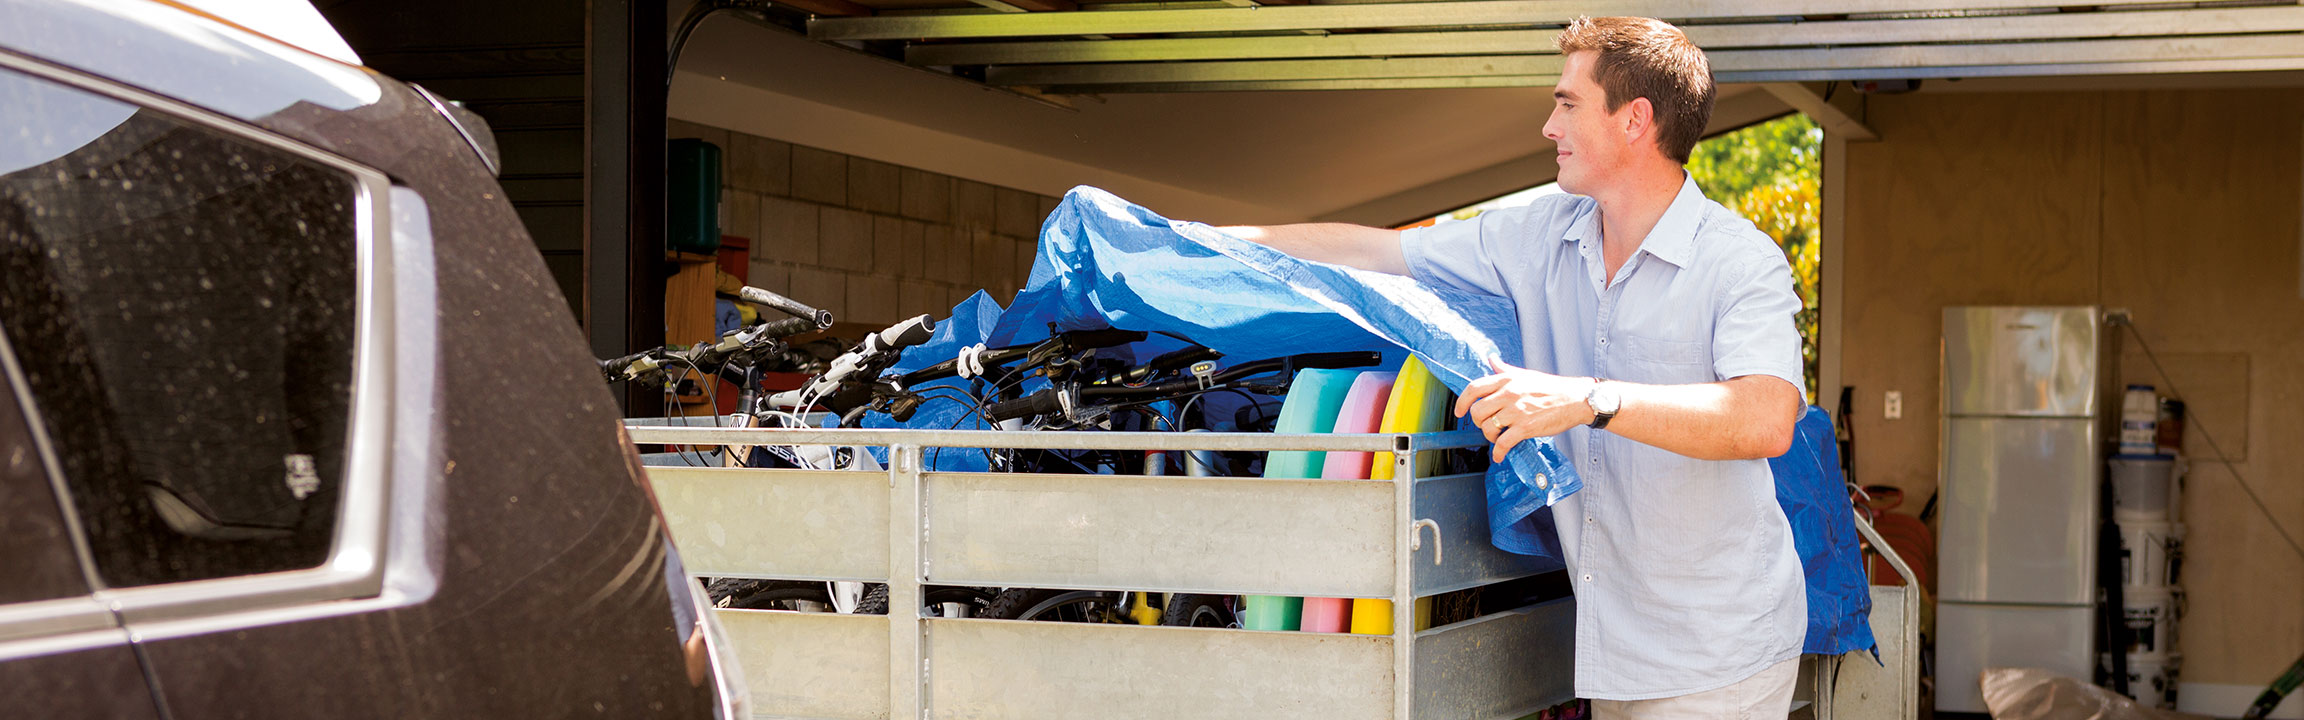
(1770, 174)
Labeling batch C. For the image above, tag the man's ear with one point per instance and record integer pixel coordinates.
(1639, 121)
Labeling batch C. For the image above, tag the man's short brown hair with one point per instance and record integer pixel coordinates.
(1649, 58)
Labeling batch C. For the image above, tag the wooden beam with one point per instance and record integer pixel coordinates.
(1018, 6)
(1354, 16)
(1842, 114)
(831, 8)
(1737, 106)
(624, 55)
(1713, 38)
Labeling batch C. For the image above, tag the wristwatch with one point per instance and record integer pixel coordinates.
(1604, 404)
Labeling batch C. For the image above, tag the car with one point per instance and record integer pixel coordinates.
(295, 422)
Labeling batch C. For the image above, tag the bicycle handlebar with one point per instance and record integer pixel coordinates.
(908, 333)
(869, 357)
(788, 327)
(1045, 402)
(1064, 396)
(733, 342)
(1061, 343)
(820, 318)
(1174, 360)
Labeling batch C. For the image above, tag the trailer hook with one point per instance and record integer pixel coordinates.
(1416, 537)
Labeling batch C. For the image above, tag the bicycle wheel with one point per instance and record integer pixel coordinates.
(1083, 606)
(934, 602)
(797, 595)
(1214, 611)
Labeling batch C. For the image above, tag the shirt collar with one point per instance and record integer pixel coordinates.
(1673, 239)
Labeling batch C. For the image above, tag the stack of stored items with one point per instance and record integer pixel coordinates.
(2147, 494)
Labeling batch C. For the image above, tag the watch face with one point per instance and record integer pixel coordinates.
(1603, 400)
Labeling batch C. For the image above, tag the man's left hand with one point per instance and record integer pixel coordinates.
(1515, 404)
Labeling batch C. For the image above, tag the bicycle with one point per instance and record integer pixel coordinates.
(1073, 403)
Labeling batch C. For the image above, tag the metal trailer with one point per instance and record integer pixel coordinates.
(1225, 535)
(1325, 538)
(1854, 685)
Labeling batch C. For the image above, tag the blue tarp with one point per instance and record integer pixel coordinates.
(1105, 262)
(1815, 498)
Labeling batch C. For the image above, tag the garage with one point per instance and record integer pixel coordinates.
(2140, 159)
(2137, 165)
(2133, 157)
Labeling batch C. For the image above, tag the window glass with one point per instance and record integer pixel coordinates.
(181, 301)
(35, 550)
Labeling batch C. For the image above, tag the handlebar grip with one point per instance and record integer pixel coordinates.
(1044, 402)
(612, 367)
(822, 319)
(908, 333)
(1103, 338)
(1181, 358)
(1335, 360)
(788, 327)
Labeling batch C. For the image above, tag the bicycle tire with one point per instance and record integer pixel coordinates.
(1089, 606)
(875, 600)
(767, 594)
(1210, 611)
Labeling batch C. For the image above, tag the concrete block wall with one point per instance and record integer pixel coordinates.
(870, 241)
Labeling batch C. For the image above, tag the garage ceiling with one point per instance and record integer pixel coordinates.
(1058, 46)
(1256, 157)
(1426, 106)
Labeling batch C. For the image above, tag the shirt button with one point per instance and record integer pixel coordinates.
(1587, 578)
(1587, 521)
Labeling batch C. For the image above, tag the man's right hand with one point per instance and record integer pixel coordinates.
(1514, 404)
(1366, 248)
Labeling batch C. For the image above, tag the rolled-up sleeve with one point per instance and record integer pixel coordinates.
(1756, 331)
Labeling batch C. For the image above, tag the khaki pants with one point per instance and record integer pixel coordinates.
(1764, 695)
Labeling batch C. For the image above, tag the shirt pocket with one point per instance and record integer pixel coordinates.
(1659, 361)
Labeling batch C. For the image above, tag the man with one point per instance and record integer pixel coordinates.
(1658, 331)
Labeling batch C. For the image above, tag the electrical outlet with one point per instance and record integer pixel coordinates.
(1895, 405)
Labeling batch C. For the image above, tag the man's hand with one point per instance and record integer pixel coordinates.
(1742, 418)
(1516, 404)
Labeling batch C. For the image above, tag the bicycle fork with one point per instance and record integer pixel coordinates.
(1197, 463)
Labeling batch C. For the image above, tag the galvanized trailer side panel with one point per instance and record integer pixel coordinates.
(1500, 666)
(812, 665)
(1325, 538)
(1320, 538)
(1889, 688)
(818, 524)
(1458, 504)
(1008, 670)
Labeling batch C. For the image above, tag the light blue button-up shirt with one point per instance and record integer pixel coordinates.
(1685, 575)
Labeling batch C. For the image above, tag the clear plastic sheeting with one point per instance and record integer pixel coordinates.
(2037, 694)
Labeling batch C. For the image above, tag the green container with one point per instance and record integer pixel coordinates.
(692, 196)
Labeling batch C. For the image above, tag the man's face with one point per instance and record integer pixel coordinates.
(1590, 140)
